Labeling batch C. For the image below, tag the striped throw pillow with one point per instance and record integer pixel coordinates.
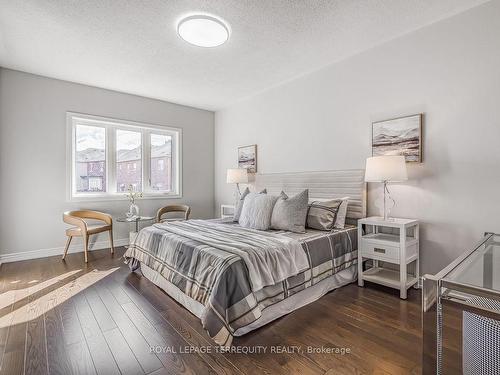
(322, 215)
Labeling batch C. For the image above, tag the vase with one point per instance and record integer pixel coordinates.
(133, 211)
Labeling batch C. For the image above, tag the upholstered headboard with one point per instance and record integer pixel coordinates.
(322, 186)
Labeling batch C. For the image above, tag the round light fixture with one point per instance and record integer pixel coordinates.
(203, 31)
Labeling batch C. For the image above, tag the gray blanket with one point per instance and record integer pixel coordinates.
(237, 272)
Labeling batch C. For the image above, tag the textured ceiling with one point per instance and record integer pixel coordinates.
(132, 46)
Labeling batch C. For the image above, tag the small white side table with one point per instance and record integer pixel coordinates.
(226, 211)
(393, 241)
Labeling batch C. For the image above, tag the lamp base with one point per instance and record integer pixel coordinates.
(387, 209)
(236, 194)
(381, 218)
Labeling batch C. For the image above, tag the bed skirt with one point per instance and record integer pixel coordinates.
(286, 306)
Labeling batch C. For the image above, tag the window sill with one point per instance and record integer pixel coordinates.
(121, 197)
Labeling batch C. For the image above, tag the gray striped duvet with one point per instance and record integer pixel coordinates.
(237, 272)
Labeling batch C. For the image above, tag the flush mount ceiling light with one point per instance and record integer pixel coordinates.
(203, 31)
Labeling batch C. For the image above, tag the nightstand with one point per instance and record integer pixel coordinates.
(226, 211)
(394, 241)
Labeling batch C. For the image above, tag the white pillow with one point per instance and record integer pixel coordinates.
(341, 213)
(239, 203)
(257, 210)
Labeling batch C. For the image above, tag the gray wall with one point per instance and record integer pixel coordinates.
(449, 70)
(33, 156)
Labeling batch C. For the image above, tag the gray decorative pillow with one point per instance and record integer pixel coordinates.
(257, 210)
(341, 215)
(322, 215)
(291, 213)
(239, 204)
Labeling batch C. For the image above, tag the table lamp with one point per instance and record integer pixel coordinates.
(386, 169)
(237, 176)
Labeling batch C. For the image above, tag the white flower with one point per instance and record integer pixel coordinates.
(133, 195)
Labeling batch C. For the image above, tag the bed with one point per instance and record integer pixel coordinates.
(237, 279)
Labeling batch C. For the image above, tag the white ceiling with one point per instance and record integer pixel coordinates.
(132, 46)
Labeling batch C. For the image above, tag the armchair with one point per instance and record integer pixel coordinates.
(173, 208)
(81, 228)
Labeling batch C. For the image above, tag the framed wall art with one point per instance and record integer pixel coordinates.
(247, 158)
(398, 136)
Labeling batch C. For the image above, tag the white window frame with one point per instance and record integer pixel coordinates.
(110, 125)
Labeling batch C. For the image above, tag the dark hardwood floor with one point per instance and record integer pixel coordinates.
(65, 317)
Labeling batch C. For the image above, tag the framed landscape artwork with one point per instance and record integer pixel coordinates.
(399, 136)
(247, 158)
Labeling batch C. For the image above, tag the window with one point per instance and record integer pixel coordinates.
(95, 184)
(161, 145)
(161, 165)
(129, 153)
(90, 158)
(106, 156)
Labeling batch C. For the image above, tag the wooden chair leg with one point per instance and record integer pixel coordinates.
(111, 241)
(68, 241)
(85, 246)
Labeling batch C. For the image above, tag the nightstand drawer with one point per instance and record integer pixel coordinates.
(375, 250)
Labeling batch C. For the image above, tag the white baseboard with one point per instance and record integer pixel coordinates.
(42, 253)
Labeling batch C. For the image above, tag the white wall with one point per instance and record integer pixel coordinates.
(33, 156)
(449, 70)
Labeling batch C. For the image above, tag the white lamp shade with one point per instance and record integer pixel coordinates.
(386, 168)
(237, 176)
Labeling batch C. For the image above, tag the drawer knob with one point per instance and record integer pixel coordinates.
(379, 250)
